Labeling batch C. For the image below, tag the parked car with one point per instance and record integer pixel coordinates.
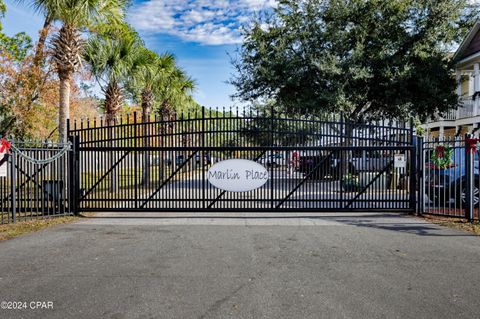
(373, 161)
(446, 184)
(327, 168)
(207, 159)
(274, 159)
(331, 168)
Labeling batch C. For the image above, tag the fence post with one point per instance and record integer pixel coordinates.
(413, 168)
(71, 184)
(469, 178)
(421, 176)
(270, 156)
(342, 154)
(13, 183)
(145, 166)
(74, 177)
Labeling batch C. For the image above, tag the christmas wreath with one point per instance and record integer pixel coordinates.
(442, 157)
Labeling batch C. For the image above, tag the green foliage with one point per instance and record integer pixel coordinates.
(350, 183)
(171, 87)
(111, 55)
(80, 13)
(420, 131)
(442, 157)
(260, 125)
(368, 58)
(18, 45)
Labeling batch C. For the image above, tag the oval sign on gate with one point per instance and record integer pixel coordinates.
(237, 175)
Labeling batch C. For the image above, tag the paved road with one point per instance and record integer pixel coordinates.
(297, 266)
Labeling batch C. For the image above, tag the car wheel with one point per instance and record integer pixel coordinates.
(462, 199)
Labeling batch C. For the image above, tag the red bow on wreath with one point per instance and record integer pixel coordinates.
(5, 146)
(471, 144)
(440, 151)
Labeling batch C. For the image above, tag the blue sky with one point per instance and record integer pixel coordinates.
(200, 33)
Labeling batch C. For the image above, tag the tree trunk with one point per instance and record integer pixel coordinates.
(64, 107)
(350, 124)
(113, 103)
(41, 41)
(66, 55)
(147, 99)
(167, 139)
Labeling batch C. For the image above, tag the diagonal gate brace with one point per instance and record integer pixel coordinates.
(386, 168)
(305, 178)
(105, 175)
(168, 179)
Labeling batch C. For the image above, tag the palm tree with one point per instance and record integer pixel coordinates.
(111, 57)
(111, 60)
(75, 16)
(176, 93)
(153, 76)
(143, 84)
(157, 80)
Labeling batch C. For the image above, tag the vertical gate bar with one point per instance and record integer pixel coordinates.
(272, 205)
(89, 176)
(203, 159)
(13, 186)
(413, 167)
(83, 178)
(29, 174)
(469, 181)
(421, 175)
(69, 159)
(21, 188)
(77, 172)
(343, 159)
(70, 180)
(56, 177)
(135, 158)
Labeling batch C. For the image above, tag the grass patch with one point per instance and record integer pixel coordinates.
(9, 231)
(456, 223)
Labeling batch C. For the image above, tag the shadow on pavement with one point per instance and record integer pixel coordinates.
(374, 221)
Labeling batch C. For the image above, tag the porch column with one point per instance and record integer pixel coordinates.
(458, 74)
(459, 82)
(441, 133)
(476, 86)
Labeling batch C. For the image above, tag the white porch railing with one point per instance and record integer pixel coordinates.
(467, 109)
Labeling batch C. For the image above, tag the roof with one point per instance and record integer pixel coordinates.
(470, 44)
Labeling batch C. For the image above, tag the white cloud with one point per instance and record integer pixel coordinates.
(211, 22)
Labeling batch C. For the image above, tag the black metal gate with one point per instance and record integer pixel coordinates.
(450, 179)
(313, 163)
(34, 181)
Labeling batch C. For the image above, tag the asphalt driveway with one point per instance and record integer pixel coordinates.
(265, 266)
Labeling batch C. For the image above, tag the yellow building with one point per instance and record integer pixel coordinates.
(466, 118)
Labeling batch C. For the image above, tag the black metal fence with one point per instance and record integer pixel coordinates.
(34, 182)
(314, 163)
(451, 178)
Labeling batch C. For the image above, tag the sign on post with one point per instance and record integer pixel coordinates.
(400, 161)
(237, 175)
(3, 164)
